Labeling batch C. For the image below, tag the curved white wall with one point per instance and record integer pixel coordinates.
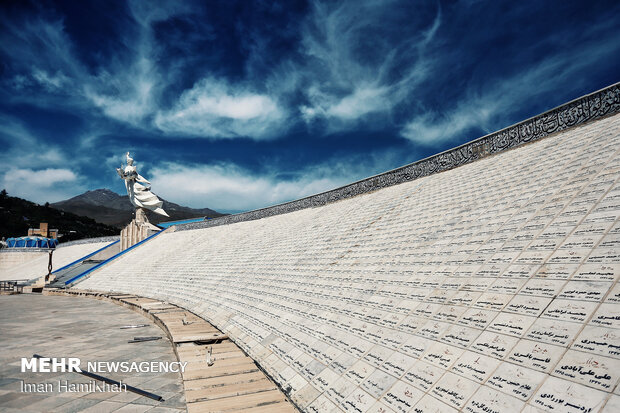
(490, 286)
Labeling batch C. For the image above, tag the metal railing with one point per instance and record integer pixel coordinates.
(13, 285)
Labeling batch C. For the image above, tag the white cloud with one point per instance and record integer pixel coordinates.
(363, 100)
(50, 82)
(34, 42)
(33, 168)
(341, 84)
(490, 105)
(360, 102)
(39, 178)
(215, 109)
(430, 128)
(228, 187)
(22, 149)
(345, 82)
(39, 185)
(130, 106)
(129, 91)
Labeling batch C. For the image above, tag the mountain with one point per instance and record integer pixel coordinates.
(113, 209)
(17, 215)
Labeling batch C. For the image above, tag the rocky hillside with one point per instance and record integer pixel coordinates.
(17, 215)
(110, 208)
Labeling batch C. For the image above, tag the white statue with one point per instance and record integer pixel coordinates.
(139, 189)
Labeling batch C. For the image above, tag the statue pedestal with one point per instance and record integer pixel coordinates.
(138, 229)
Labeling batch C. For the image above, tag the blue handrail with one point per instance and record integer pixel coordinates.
(183, 221)
(85, 257)
(101, 264)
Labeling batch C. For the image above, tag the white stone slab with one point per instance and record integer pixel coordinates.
(542, 287)
(442, 355)
(398, 364)
(358, 401)
(423, 375)
(429, 404)
(511, 324)
(416, 346)
(487, 400)
(401, 397)
(378, 382)
(552, 331)
(559, 395)
(585, 290)
(475, 366)
(614, 294)
(607, 315)
(359, 372)
(454, 390)
(556, 271)
(325, 379)
(595, 371)
(517, 381)
(494, 344)
(599, 340)
(380, 407)
(596, 268)
(340, 390)
(536, 355)
(460, 336)
(527, 305)
(570, 310)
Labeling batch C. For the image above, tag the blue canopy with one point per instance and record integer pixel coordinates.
(31, 242)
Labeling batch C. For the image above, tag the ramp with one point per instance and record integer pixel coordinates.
(75, 270)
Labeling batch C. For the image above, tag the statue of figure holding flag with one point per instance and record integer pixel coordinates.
(139, 189)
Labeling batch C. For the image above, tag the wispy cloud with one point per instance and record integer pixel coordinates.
(355, 71)
(216, 109)
(41, 60)
(33, 169)
(38, 178)
(376, 74)
(122, 99)
(51, 82)
(40, 185)
(490, 105)
(22, 149)
(129, 88)
(230, 187)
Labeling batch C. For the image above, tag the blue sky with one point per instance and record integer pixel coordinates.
(237, 105)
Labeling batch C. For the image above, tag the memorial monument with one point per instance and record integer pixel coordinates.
(140, 195)
(481, 279)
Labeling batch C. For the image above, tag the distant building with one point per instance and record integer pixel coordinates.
(43, 231)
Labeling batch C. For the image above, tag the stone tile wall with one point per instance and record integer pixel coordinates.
(491, 287)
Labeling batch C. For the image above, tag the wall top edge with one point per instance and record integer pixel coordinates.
(590, 107)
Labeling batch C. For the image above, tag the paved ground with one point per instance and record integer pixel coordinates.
(80, 327)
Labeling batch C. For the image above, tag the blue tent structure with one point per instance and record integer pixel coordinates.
(31, 242)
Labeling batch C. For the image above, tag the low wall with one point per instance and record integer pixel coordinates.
(63, 255)
(12, 257)
(488, 287)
